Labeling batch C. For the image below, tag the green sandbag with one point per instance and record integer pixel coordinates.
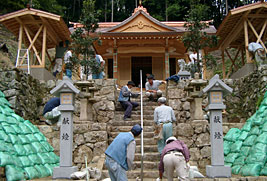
(3, 118)
(35, 158)
(20, 150)
(53, 157)
(245, 150)
(231, 157)
(32, 173)
(16, 128)
(40, 137)
(1, 128)
(15, 139)
(4, 111)
(24, 128)
(264, 127)
(2, 94)
(250, 140)
(247, 126)
(44, 172)
(38, 147)
(32, 127)
(49, 168)
(8, 129)
(29, 149)
(236, 169)
(232, 134)
(261, 109)
(47, 146)
(256, 158)
(3, 102)
(251, 169)
(4, 136)
(7, 147)
(45, 158)
(243, 135)
(14, 173)
(240, 160)
(235, 148)
(226, 147)
(31, 137)
(264, 170)
(259, 148)
(26, 162)
(262, 138)
(255, 131)
(6, 159)
(228, 164)
(24, 139)
(258, 121)
(17, 117)
(11, 120)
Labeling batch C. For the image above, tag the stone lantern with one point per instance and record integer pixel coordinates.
(184, 75)
(194, 87)
(215, 90)
(66, 91)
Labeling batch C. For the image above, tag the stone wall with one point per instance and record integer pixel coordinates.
(246, 96)
(91, 135)
(26, 95)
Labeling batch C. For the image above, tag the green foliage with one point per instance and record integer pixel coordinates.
(84, 38)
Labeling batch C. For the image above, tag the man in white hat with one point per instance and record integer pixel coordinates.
(175, 156)
(164, 115)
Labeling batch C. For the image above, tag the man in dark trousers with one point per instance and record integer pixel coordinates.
(175, 156)
(125, 99)
(51, 112)
(120, 154)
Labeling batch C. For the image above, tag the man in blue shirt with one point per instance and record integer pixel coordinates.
(51, 112)
(120, 154)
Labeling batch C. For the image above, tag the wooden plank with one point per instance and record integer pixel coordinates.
(257, 16)
(257, 36)
(248, 8)
(44, 46)
(52, 34)
(246, 42)
(262, 30)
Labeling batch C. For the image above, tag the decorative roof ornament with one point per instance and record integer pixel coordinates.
(140, 8)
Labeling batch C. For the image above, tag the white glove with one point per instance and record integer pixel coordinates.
(158, 179)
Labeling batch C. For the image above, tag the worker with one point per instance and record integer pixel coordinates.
(152, 88)
(60, 49)
(175, 156)
(120, 154)
(101, 63)
(125, 99)
(164, 115)
(51, 112)
(68, 62)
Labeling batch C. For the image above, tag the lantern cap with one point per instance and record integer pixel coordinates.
(64, 86)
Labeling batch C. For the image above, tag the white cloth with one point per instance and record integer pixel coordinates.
(58, 65)
(164, 113)
(175, 161)
(130, 153)
(193, 57)
(253, 47)
(67, 57)
(158, 94)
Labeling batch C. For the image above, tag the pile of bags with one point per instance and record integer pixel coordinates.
(245, 150)
(24, 150)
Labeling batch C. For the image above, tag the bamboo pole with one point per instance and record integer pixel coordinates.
(142, 133)
(246, 41)
(44, 46)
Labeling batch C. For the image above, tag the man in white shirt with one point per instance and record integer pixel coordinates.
(68, 62)
(164, 115)
(152, 88)
(101, 62)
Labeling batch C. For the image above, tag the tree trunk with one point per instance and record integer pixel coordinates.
(166, 7)
(112, 7)
(226, 7)
(106, 10)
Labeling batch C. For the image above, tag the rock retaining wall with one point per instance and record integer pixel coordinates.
(247, 94)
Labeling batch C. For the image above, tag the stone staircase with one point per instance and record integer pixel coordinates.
(151, 155)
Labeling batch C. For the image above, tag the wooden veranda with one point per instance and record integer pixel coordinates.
(240, 27)
(38, 31)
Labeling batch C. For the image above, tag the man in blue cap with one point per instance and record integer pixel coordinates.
(120, 154)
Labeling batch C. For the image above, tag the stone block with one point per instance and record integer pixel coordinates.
(186, 106)
(176, 104)
(184, 129)
(175, 93)
(78, 139)
(56, 144)
(200, 126)
(205, 152)
(194, 154)
(10, 93)
(203, 140)
(99, 127)
(106, 90)
(109, 82)
(95, 136)
(100, 148)
(81, 152)
(45, 129)
(81, 128)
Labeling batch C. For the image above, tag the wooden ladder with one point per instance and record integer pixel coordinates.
(22, 53)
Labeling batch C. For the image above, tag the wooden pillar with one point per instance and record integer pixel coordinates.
(223, 63)
(167, 64)
(246, 41)
(115, 64)
(19, 42)
(44, 47)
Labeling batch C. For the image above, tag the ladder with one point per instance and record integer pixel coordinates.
(22, 54)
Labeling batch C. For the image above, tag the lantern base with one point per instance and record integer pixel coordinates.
(64, 172)
(218, 171)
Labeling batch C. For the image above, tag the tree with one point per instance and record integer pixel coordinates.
(84, 38)
(196, 38)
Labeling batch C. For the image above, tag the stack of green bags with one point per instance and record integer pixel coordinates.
(24, 150)
(245, 150)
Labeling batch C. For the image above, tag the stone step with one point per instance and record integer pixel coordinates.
(128, 128)
(147, 148)
(149, 156)
(149, 135)
(137, 112)
(119, 116)
(119, 108)
(133, 174)
(132, 122)
(146, 165)
(147, 141)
